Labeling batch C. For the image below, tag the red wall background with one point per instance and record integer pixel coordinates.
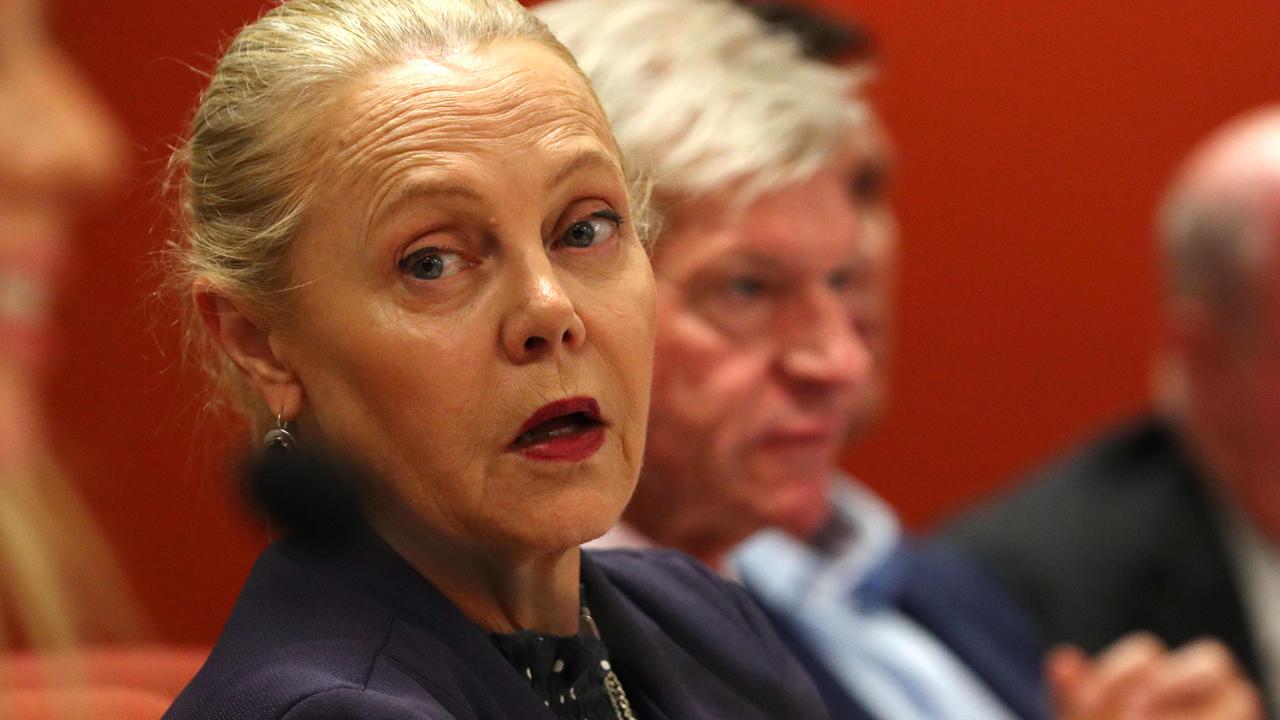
(1034, 138)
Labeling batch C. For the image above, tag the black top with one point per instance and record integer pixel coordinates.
(570, 673)
(357, 633)
(1120, 536)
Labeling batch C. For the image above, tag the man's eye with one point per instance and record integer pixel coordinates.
(746, 287)
(870, 183)
(432, 264)
(848, 277)
(596, 229)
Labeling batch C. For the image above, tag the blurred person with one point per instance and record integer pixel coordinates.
(59, 153)
(1171, 524)
(774, 267)
(409, 240)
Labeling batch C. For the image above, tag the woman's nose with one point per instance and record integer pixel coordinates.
(543, 321)
(826, 347)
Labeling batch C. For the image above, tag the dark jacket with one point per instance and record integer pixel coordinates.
(1119, 537)
(359, 634)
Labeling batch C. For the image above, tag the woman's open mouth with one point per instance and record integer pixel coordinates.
(565, 431)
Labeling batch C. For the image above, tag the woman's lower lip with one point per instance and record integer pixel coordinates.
(566, 448)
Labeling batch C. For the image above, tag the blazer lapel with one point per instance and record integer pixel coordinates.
(636, 649)
(976, 622)
(432, 641)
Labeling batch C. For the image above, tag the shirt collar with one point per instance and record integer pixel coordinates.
(788, 572)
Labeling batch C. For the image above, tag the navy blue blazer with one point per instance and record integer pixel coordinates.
(357, 633)
(964, 609)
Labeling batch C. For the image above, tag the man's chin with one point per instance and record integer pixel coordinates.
(800, 509)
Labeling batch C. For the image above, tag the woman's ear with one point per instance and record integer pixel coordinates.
(249, 346)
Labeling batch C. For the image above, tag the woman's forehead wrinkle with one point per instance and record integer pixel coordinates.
(437, 122)
(426, 119)
(406, 124)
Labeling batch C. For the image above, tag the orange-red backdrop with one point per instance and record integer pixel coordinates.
(1034, 138)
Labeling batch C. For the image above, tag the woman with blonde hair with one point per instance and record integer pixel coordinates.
(409, 242)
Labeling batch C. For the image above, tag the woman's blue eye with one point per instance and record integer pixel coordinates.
(594, 230)
(427, 268)
(431, 264)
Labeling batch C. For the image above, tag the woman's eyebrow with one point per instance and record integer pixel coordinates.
(587, 159)
(437, 187)
(421, 188)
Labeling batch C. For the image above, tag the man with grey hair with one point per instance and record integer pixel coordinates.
(772, 268)
(1172, 525)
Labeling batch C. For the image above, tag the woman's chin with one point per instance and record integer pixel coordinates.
(569, 524)
(576, 507)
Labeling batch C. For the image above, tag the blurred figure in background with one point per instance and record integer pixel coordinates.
(1172, 523)
(60, 586)
(774, 268)
(59, 152)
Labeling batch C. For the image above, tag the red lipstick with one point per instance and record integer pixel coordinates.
(568, 430)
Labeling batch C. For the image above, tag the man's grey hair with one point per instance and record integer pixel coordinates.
(705, 97)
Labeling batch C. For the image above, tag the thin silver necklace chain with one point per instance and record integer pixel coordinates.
(617, 696)
(621, 706)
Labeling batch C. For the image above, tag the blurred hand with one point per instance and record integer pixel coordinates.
(1138, 678)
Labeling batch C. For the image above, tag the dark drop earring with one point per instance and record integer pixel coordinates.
(279, 440)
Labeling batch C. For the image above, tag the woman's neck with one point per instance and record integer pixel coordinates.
(501, 594)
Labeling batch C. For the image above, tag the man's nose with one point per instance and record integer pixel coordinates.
(825, 346)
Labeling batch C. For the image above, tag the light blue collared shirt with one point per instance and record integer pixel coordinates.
(894, 667)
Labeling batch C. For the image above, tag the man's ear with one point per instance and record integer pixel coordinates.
(1194, 337)
(249, 347)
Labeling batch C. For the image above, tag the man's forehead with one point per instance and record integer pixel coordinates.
(699, 248)
(1245, 155)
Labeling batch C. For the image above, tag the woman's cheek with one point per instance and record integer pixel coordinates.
(631, 321)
